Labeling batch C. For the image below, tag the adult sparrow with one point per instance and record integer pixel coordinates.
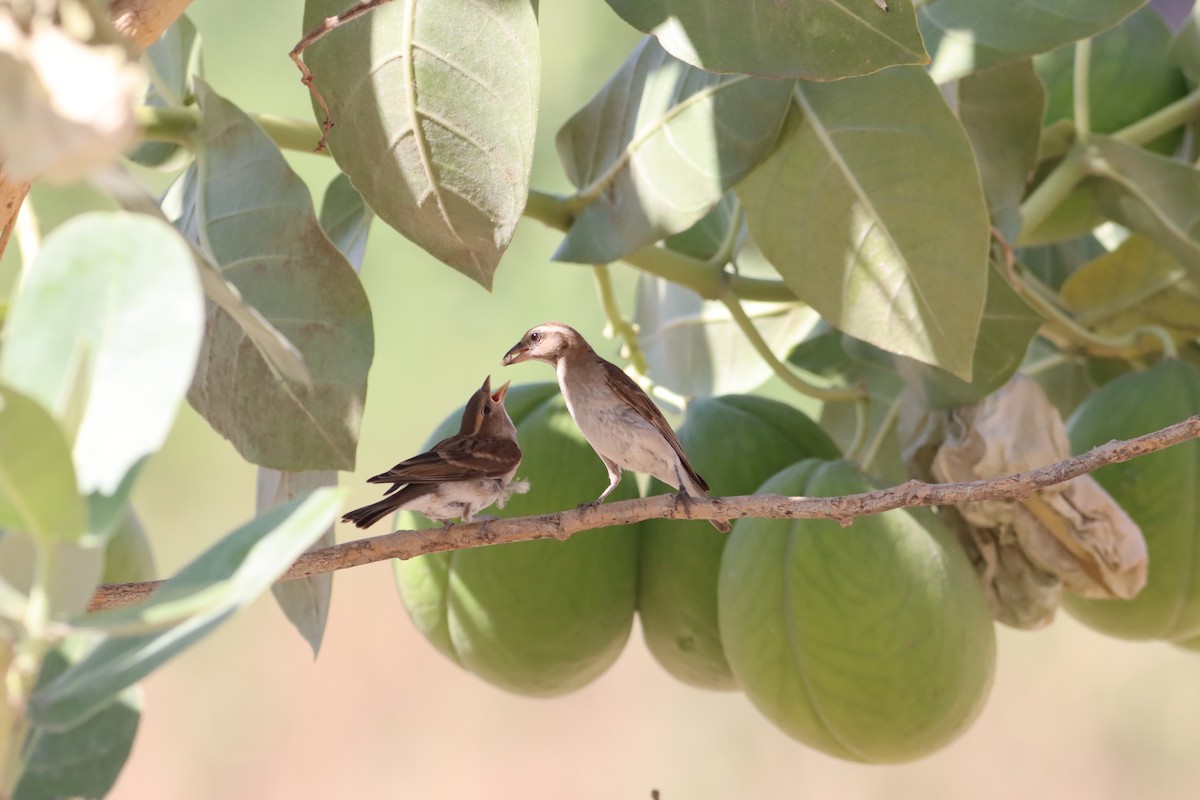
(460, 475)
(618, 419)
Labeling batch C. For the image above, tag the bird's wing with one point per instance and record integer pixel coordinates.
(458, 458)
(639, 401)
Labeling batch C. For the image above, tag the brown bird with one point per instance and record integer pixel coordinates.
(618, 419)
(460, 475)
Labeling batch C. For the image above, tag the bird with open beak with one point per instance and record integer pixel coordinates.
(461, 475)
(618, 419)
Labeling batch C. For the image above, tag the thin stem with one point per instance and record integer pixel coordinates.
(885, 427)
(617, 322)
(1033, 292)
(1166, 119)
(730, 299)
(1052, 191)
(693, 273)
(1081, 105)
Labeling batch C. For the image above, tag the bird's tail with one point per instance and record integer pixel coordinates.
(695, 486)
(367, 516)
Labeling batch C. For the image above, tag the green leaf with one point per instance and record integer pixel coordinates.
(1054, 263)
(1152, 195)
(870, 208)
(693, 346)
(813, 39)
(1001, 111)
(434, 108)
(83, 761)
(66, 572)
(38, 495)
(968, 35)
(708, 236)
(1008, 326)
(281, 356)
(658, 146)
(346, 219)
(305, 601)
(114, 297)
(1136, 285)
(170, 63)
(256, 222)
(204, 594)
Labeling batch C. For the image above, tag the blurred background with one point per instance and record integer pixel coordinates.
(247, 713)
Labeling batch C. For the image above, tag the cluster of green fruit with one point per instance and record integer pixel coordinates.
(872, 642)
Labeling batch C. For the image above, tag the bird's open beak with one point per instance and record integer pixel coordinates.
(498, 397)
(516, 355)
(487, 385)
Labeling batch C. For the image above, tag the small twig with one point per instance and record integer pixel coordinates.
(617, 322)
(312, 37)
(561, 525)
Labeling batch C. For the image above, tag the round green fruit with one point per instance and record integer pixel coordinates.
(543, 617)
(736, 442)
(873, 642)
(1160, 491)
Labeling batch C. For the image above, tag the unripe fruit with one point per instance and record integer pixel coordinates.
(1160, 491)
(736, 442)
(873, 642)
(541, 617)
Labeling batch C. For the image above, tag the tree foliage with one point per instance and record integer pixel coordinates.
(891, 206)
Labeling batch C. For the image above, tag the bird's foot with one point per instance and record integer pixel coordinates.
(592, 504)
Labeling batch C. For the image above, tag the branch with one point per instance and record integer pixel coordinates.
(561, 525)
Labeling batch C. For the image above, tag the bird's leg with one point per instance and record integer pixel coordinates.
(614, 478)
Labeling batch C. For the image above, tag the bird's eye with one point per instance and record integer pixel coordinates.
(536, 336)
(487, 410)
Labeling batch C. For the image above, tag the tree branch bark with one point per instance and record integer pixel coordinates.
(561, 525)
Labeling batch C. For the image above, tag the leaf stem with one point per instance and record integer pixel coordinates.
(730, 299)
(617, 322)
(1051, 192)
(1162, 121)
(885, 427)
(1081, 99)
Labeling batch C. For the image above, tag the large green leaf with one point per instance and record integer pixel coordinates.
(812, 39)
(1001, 111)
(256, 222)
(1008, 326)
(83, 761)
(305, 601)
(1152, 195)
(1184, 49)
(658, 146)
(38, 495)
(967, 35)
(871, 209)
(178, 205)
(434, 108)
(1137, 284)
(113, 296)
(170, 64)
(188, 606)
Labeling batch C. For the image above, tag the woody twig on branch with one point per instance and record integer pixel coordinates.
(561, 525)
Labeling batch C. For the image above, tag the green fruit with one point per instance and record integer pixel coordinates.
(1160, 491)
(736, 442)
(873, 642)
(543, 617)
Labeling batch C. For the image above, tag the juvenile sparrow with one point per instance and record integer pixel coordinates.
(618, 419)
(460, 475)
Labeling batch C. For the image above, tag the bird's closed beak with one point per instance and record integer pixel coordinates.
(498, 397)
(516, 355)
(487, 385)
